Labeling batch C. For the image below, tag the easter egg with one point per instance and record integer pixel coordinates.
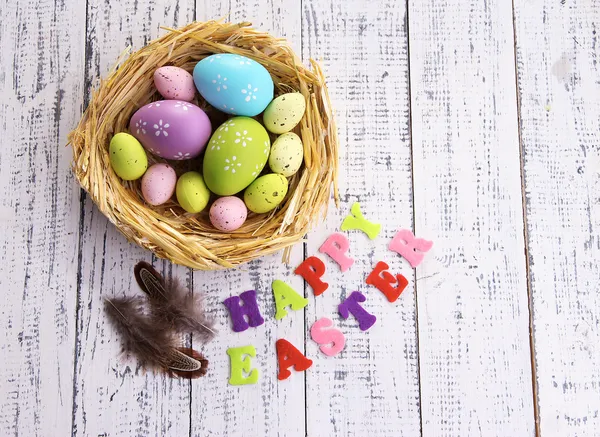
(265, 193)
(127, 157)
(287, 154)
(284, 113)
(192, 193)
(235, 155)
(158, 184)
(174, 83)
(171, 129)
(234, 84)
(228, 213)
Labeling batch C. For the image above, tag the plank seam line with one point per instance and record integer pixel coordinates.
(414, 226)
(534, 386)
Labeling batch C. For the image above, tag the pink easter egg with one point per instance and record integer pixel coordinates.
(171, 129)
(158, 184)
(174, 83)
(228, 213)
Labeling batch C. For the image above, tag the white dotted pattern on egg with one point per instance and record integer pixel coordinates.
(284, 113)
(287, 154)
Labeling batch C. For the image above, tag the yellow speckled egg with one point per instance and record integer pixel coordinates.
(127, 157)
(284, 113)
(265, 193)
(192, 193)
(287, 154)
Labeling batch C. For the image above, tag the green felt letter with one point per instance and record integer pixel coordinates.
(240, 364)
(355, 220)
(286, 296)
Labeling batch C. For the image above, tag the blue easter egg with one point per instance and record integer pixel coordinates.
(234, 84)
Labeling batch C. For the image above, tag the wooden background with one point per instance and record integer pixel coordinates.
(474, 123)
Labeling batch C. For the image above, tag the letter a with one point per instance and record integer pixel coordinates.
(286, 296)
(288, 356)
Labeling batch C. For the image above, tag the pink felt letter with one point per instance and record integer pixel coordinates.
(326, 336)
(336, 247)
(411, 248)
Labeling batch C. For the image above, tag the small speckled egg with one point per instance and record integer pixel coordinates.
(158, 184)
(266, 193)
(192, 193)
(234, 84)
(171, 129)
(228, 213)
(284, 113)
(287, 154)
(127, 157)
(174, 83)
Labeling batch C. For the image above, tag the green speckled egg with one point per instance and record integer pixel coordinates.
(127, 157)
(287, 154)
(192, 193)
(235, 155)
(265, 193)
(284, 113)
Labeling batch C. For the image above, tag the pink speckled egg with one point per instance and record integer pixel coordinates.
(174, 83)
(158, 184)
(228, 213)
(171, 129)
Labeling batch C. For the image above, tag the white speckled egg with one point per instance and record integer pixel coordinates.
(287, 154)
(158, 184)
(228, 213)
(174, 83)
(284, 113)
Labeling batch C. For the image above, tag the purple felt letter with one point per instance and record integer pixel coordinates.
(411, 248)
(336, 247)
(249, 308)
(352, 306)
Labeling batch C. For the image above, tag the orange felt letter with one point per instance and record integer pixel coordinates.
(385, 281)
(288, 356)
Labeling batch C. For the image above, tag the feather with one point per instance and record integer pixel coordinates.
(173, 305)
(152, 344)
(188, 363)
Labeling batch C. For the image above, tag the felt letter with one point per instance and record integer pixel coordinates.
(286, 296)
(288, 356)
(249, 308)
(411, 248)
(240, 365)
(336, 247)
(352, 306)
(326, 336)
(311, 270)
(385, 281)
(355, 220)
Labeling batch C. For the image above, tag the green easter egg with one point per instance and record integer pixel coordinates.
(265, 193)
(287, 154)
(192, 193)
(127, 157)
(235, 155)
(284, 113)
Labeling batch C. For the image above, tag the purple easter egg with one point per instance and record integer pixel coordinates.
(171, 129)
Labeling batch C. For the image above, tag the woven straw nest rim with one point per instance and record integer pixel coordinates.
(168, 231)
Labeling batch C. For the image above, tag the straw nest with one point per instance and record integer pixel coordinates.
(168, 231)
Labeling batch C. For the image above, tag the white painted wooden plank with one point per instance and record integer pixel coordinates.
(269, 407)
(471, 290)
(371, 388)
(559, 87)
(113, 395)
(41, 83)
